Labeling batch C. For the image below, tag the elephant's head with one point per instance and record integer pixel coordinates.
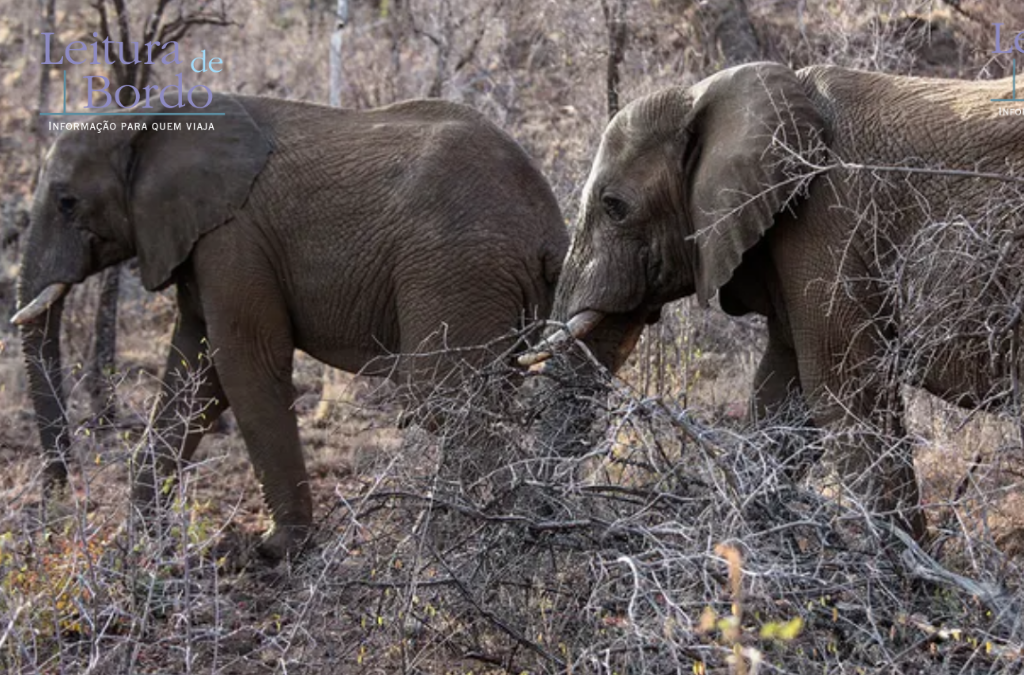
(684, 182)
(105, 196)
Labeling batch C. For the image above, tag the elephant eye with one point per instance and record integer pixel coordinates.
(67, 206)
(616, 209)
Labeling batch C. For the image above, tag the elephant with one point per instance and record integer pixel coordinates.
(826, 200)
(358, 237)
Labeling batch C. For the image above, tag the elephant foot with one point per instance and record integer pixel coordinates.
(285, 542)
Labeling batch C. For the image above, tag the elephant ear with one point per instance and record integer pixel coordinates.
(751, 122)
(185, 182)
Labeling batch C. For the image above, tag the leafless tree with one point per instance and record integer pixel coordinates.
(47, 14)
(730, 35)
(448, 25)
(337, 72)
(615, 20)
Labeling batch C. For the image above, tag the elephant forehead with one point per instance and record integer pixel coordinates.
(56, 167)
(658, 115)
(632, 165)
(78, 153)
(634, 148)
(76, 141)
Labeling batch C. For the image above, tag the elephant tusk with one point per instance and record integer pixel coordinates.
(578, 328)
(40, 304)
(580, 325)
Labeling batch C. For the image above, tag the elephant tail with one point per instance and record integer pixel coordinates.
(552, 259)
(555, 248)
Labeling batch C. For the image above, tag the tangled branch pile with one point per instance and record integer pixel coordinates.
(667, 545)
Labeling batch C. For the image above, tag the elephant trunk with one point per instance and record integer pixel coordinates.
(608, 323)
(576, 383)
(40, 321)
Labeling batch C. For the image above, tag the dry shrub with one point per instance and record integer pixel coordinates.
(664, 544)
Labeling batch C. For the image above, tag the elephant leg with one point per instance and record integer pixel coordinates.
(441, 393)
(254, 350)
(435, 354)
(878, 459)
(777, 380)
(778, 404)
(863, 409)
(190, 402)
(839, 336)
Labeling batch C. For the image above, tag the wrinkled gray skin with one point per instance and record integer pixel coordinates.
(349, 235)
(697, 191)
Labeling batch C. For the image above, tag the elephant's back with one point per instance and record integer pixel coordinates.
(421, 207)
(914, 149)
(428, 154)
(488, 229)
(893, 119)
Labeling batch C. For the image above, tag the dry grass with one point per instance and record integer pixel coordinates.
(673, 544)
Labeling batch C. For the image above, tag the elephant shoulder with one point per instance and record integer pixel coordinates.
(836, 83)
(443, 129)
(856, 105)
(457, 139)
(434, 110)
(823, 72)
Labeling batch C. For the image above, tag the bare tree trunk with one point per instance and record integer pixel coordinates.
(731, 37)
(615, 20)
(442, 39)
(337, 76)
(396, 33)
(47, 21)
(312, 17)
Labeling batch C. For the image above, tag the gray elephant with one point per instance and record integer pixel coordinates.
(352, 235)
(812, 198)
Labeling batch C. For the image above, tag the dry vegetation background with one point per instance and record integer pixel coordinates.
(673, 544)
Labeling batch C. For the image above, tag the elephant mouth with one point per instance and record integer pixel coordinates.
(620, 332)
(40, 304)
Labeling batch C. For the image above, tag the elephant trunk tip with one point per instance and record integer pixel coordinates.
(40, 304)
